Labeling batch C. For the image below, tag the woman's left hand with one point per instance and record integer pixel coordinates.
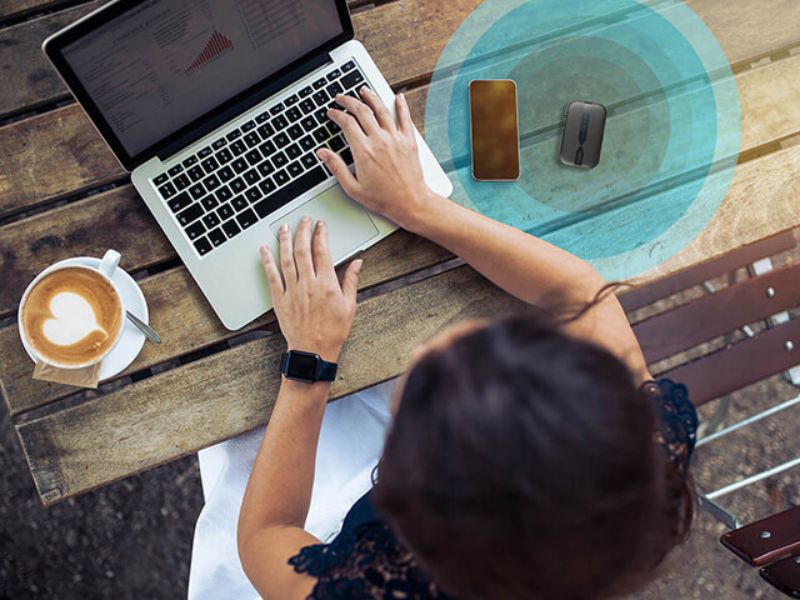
(314, 311)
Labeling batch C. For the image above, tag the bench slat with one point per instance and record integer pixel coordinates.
(392, 33)
(768, 185)
(784, 575)
(741, 257)
(182, 410)
(717, 314)
(749, 543)
(186, 322)
(734, 368)
(23, 268)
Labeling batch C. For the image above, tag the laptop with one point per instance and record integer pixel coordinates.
(217, 109)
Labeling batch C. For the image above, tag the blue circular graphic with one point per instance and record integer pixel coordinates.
(672, 136)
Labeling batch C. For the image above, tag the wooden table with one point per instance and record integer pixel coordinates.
(62, 194)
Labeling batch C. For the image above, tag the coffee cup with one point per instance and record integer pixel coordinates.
(72, 316)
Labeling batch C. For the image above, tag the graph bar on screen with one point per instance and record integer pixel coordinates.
(217, 45)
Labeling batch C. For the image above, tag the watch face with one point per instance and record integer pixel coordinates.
(302, 366)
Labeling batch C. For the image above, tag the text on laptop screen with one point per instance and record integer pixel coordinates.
(164, 63)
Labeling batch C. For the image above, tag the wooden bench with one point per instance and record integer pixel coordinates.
(769, 344)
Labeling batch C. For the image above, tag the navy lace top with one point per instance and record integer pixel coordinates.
(365, 561)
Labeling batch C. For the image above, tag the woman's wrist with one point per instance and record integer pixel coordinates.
(314, 393)
(422, 213)
(327, 352)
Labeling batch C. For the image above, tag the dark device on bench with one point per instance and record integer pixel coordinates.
(584, 126)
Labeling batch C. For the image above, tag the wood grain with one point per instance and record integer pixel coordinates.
(762, 201)
(81, 228)
(14, 8)
(51, 156)
(748, 29)
(62, 153)
(387, 32)
(186, 322)
(185, 409)
(766, 116)
(176, 412)
(68, 424)
(65, 154)
(34, 82)
(28, 79)
(114, 219)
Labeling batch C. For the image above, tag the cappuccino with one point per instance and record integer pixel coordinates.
(72, 317)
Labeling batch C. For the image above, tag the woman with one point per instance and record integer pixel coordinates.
(527, 458)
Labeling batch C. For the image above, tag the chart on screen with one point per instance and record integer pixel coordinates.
(216, 46)
(179, 59)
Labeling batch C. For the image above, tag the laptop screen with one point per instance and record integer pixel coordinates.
(158, 66)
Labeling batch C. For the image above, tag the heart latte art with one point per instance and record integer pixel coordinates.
(72, 316)
(73, 319)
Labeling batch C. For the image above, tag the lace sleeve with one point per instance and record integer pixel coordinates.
(364, 564)
(678, 426)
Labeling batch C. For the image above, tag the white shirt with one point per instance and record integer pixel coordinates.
(350, 444)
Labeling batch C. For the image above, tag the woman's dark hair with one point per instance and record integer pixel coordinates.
(522, 463)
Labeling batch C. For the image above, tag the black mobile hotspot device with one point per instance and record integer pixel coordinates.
(584, 126)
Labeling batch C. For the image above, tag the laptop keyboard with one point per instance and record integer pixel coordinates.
(249, 173)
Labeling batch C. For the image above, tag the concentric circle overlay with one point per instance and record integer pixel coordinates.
(672, 136)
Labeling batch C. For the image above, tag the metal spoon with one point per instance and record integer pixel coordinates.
(148, 331)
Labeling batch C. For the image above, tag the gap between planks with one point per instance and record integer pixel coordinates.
(38, 10)
(743, 189)
(246, 381)
(408, 86)
(764, 149)
(411, 84)
(782, 143)
(378, 277)
(357, 7)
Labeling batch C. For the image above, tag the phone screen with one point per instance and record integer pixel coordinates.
(495, 132)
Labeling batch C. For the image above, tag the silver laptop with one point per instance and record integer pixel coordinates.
(217, 108)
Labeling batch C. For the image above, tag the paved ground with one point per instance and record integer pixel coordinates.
(133, 539)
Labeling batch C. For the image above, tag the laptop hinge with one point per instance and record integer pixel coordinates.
(219, 119)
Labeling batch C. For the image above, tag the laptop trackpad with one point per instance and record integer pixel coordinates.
(349, 224)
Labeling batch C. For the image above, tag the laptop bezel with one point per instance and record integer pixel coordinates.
(54, 45)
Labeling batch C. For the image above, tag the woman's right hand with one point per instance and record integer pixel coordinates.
(388, 177)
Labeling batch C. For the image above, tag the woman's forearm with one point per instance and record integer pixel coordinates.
(523, 265)
(279, 490)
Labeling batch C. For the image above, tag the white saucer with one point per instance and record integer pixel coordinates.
(132, 340)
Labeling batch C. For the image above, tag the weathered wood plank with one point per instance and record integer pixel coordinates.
(762, 201)
(183, 410)
(33, 82)
(770, 100)
(51, 156)
(66, 231)
(66, 140)
(748, 182)
(28, 79)
(749, 29)
(186, 322)
(79, 229)
(61, 152)
(15, 8)
(416, 47)
(767, 186)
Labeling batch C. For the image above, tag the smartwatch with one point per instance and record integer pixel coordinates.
(308, 367)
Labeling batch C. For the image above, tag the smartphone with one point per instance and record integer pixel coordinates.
(494, 128)
(584, 126)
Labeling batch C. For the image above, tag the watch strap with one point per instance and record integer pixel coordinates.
(326, 371)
